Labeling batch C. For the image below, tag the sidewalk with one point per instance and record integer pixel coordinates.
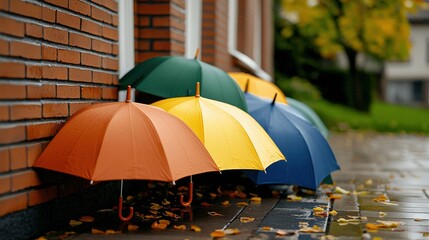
(388, 179)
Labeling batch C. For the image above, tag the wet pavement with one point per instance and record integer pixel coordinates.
(383, 194)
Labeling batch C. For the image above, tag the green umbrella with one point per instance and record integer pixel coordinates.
(175, 76)
(309, 114)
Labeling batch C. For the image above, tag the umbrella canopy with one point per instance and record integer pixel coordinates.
(174, 76)
(309, 114)
(125, 140)
(258, 86)
(310, 158)
(232, 137)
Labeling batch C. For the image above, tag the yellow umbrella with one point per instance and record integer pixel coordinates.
(258, 86)
(232, 137)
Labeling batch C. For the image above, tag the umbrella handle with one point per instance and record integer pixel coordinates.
(130, 215)
(191, 190)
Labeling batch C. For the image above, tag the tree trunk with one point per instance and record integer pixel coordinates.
(356, 98)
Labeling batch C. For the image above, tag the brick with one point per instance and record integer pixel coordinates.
(142, 56)
(111, 4)
(89, 59)
(33, 152)
(91, 92)
(80, 40)
(42, 130)
(49, 53)
(55, 72)
(144, 45)
(33, 30)
(100, 15)
(80, 7)
(115, 80)
(110, 33)
(4, 113)
(33, 71)
(80, 75)
(76, 106)
(115, 49)
(39, 196)
(23, 180)
(11, 70)
(55, 109)
(163, 21)
(13, 203)
(55, 35)
(34, 91)
(12, 27)
(26, 9)
(68, 20)
(26, 50)
(4, 5)
(5, 184)
(68, 56)
(18, 157)
(48, 14)
(4, 160)
(162, 45)
(12, 91)
(91, 27)
(151, 33)
(68, 91)
(115, 20)
(25, 111)
(59, 3)
(110, 63)
(102, 77)
(4, 47)
(144, 21)
(110, 93)
(49, 91)
(101, 46)
(153, 9)
(12, 133)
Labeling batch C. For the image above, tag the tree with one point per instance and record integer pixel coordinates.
(377, 28)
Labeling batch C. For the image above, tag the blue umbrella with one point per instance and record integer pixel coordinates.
(308, 154)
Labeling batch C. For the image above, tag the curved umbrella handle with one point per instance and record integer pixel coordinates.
(191, 190)
(130, 215)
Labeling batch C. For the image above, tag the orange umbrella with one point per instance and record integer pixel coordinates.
(126, 140)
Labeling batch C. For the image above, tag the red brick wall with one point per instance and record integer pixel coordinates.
(56, 56)
(159, 28)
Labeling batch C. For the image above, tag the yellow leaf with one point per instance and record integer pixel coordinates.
(180, 227)
(200, 195)
(225, 203)
(165, 202)
(293, 198)
(156, 225)
(341, 190)
(74, 223)
(232, 231)
(218, 233)
(195, 228)
(281, 233)
(133, 228)
(256, 199)
(213, 195)
(214, 214)
(205, 204)
(246, 219)
(382, 214)
(86, 219)
(111, 231)
(96, 231)
(335, 196)
(267, 228)
(333, 213)
(164, 221)
(242, 204)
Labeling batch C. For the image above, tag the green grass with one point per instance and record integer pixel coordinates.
(383, 117)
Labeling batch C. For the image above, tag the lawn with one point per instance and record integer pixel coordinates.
(383, 117)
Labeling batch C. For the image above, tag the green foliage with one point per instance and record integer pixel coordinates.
(298, 88)
(382, 117)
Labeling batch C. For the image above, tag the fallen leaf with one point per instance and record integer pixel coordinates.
(182, 189)
(281, 233)
(74, 223)
(333, 213)
(240, 194)
(418, 219)
(335, 196)
(213, 195)
(225, 203)
(293, 198)
(130, 198)
(164, 221)
(267, 228)
(111, 231)
(314, 229)
(256, 199)
(205, 204)
(195, 228)
(328, 237)
(214, 214)
(155, 206)
(382, 214)
(381, 198)
(218, 233)
(165, 202)
(41, 238)
(368, 182)
(200, 195)
(160, 226)
(180, 227)
(341, 190)
(132, 228)
(242, 204)
(253, 194)
(246, 219)
(171, 214)
(96, 231)
(86, 219)
(232, 231)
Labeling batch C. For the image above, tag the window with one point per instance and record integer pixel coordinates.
(193, 27)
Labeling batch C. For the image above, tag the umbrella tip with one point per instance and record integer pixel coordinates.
(128, 99)
(197, 91)
(274, 99)
(197, 53)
